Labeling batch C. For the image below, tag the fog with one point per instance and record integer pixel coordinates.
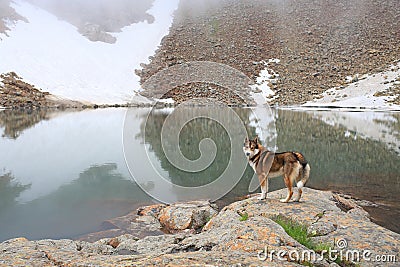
(110, 16)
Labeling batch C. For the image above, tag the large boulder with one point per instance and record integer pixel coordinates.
(189, 215)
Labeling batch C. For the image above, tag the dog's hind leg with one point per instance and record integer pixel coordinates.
(297, 198)
(264, 187)
(288, 183)
(302, 179)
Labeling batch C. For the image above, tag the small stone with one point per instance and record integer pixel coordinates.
(113, 242)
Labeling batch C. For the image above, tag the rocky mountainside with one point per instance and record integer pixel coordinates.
(318, 43)
(241, 234)
(17, 94)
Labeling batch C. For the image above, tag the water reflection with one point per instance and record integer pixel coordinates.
(150, 161)
(10, 191)
(62, 176)
(379, 126)
(75, 208)
(15, 122)
(189, 139)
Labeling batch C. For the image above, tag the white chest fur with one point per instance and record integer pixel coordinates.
(253, 165)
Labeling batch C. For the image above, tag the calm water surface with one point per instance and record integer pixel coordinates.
(63, 173)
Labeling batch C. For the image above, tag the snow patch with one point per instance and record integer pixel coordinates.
(261, 91)
(361, 93)
(165, 101)
(52, 55)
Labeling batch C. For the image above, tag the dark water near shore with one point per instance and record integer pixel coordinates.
(63, 173)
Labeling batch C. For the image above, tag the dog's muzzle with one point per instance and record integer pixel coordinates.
(247, 154)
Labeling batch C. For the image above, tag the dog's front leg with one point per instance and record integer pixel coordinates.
(264, 187)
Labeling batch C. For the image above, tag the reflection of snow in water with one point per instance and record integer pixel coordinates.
(45, 155)
(263, 120)
(379, 126)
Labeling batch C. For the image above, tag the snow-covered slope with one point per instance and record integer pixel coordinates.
(362, 92)
(52, 55)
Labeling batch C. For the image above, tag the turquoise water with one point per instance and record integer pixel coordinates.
(64, 173)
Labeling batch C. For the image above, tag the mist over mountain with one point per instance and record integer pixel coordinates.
(94, 19)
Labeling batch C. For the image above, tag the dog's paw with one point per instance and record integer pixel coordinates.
(283, 200)
(261, 197)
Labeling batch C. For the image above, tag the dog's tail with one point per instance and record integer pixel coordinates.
(304, 176)
(305, 172)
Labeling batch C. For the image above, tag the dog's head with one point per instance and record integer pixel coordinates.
(251, 147)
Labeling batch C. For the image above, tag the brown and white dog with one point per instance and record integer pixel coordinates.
(291, 165)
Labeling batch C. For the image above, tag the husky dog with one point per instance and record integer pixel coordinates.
(291, 165)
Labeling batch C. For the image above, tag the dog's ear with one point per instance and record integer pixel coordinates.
(246, 139)
(256, 139)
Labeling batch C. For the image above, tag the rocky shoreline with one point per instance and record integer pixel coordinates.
(17, 94)
(319, 44)
(237, 235)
